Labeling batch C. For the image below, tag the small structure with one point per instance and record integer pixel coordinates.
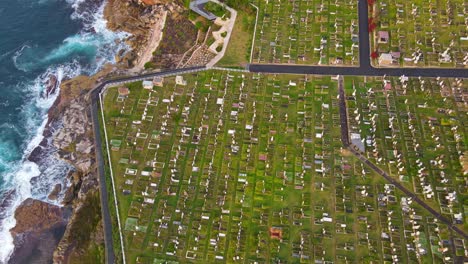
(388, 86)
(276, 233)
(383, 37)
(385, 59)
(198, 6)
(158, 81)
(357, 141)
(148, 85)
(123, 91)
(180, 80)
(115, 144)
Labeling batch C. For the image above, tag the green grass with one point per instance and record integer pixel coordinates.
(238, 49)
(290, 189)
(216, 9)
(307, 32)
(423, 26)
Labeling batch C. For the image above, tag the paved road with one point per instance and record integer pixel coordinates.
(105, 207)
(359, 71)
(365, 68)
(408, 193)
(106, 216)
(375, 168)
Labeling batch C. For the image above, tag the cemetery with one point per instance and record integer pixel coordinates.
(318, 32)
(419, 33)
(414, 128)
(229, 167)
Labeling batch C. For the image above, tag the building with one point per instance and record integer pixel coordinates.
(123, 91)
(382, 37)
(385, 59)
(180, 80)
(197, 6)
(148, 85)
(357, 141)
(158, 81)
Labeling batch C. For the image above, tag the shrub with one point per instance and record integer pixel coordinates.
(149, 65)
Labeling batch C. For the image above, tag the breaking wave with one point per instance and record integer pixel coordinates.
(83, 53)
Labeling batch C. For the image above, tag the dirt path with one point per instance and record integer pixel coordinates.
(153, 43)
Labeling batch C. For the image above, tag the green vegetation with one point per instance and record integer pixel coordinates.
(251, 167)
(239, 5)
(420, 33)
(415, 125)
(307, 32)
(87, 223)
(93, 254)
(87, 220)
(149, 65)
(238, 49)
(216, 9)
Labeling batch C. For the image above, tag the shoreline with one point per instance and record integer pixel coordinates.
(67, 123)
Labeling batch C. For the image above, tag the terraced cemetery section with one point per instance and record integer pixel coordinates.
(318, 32)
(233, 167)
(415, 129)
(423, 33)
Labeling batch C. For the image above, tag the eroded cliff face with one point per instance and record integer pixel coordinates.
(39, 228)
(69, 132)
(137, 17)
(75, 142)
(73, 231)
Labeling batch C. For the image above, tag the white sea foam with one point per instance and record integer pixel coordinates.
(36, 180)
(17, 54)
(23, 189)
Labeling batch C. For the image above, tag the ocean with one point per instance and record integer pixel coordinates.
(40, 38)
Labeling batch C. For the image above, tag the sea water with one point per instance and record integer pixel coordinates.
(39, 38)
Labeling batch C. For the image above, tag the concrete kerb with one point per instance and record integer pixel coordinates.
(232, 22)
(254, 34)
(112, 176)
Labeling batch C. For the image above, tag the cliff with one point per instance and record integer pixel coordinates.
(39, 228)
(137, 17)
(73, 233)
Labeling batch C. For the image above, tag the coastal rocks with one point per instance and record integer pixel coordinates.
(43, 228)
(51, 84)
(138, 17)
(153, 2)
(53, 195)
(39, 227)
(73, 138)
(85, 146)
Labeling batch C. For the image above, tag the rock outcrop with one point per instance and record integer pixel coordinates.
(72, 230)
(137, 17)
(39, 228)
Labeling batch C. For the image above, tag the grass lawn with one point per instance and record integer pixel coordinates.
(250, 167)
(238, 49)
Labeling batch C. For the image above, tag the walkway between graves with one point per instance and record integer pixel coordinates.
(363, 159)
